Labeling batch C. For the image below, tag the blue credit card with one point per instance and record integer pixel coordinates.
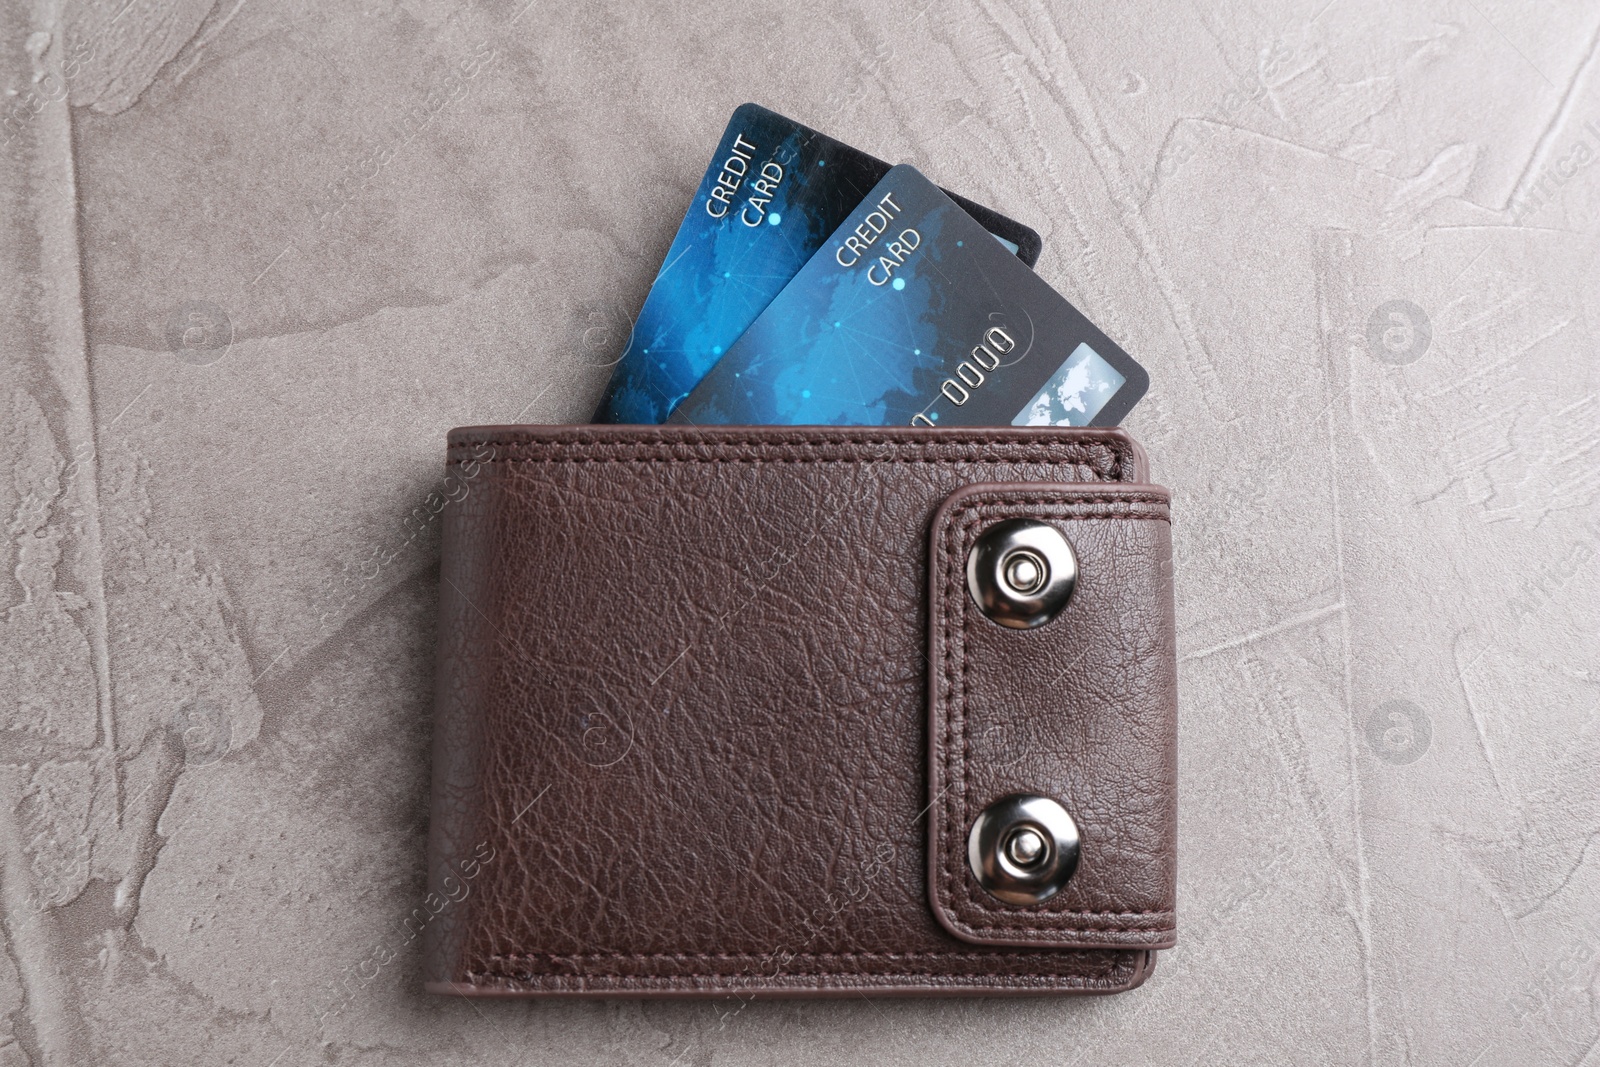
(774, 192)
(910, 313)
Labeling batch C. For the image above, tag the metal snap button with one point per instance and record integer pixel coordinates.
(1021, 573)
(1023, 848)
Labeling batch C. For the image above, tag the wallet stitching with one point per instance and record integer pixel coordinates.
(1111, 971)
(963, 517)
(1115, 968)
(1015, 452)
(713, 440)
(642, 956)
(809, 979)
(819, 979)
(1096, 478)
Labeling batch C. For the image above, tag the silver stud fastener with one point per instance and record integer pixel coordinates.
(1023, 848)
(1021, 573)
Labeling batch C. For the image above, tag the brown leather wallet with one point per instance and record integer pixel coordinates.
(801, 711)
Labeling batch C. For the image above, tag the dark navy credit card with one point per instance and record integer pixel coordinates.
(774, 192)
(912, 313)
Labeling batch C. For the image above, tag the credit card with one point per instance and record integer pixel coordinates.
(774, 192)
(911, 313)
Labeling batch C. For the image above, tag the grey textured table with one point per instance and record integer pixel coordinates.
(258, 257)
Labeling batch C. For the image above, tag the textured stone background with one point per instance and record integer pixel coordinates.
(257, 257)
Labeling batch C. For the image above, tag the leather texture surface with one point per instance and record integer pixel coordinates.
(682, 743)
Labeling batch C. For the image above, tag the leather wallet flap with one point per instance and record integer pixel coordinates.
(1080, 710)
